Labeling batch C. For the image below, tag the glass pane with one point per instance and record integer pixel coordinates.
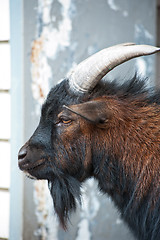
(4, 214)
(4, 116)
(4, 20)
(5, 164)
(5, 63)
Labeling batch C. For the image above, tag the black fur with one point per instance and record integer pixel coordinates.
(65, 190)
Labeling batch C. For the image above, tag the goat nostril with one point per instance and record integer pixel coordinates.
(22, 154)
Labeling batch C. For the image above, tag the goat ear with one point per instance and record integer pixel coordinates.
(93, 111)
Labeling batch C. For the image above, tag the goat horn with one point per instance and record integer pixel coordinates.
(89, 72)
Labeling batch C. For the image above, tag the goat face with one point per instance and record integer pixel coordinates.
(60, 148)
(53, 148)
(45, 156)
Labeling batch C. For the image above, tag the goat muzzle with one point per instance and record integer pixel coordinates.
(22, 158)
(29, 160)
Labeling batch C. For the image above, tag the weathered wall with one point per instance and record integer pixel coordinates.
(58, 35)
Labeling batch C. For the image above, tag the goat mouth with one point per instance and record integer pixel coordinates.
(30, 167)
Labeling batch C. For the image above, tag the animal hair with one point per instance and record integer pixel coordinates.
(121, 151)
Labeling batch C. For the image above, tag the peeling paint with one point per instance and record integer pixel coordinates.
(58, 39)
(45, 218)
(40, 71)
(41, 210)
(125, 13)
(90, 208)
(142, 35)
(84, 232)
(119, 221)
(141, 67)
(112, 5)
(116, 8)
(48, 43)
(92, 49)
(95, 204)
(52, 221)
(144, 65)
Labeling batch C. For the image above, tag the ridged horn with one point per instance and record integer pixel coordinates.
(89, 72)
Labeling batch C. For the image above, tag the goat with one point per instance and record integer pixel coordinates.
(93, 128)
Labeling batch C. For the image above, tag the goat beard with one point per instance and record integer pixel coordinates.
(65, 192)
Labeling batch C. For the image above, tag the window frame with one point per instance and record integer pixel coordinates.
(17, 135)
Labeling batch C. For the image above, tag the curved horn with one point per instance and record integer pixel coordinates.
(89, 72)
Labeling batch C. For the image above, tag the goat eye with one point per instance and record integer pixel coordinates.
(66, 121)
(63, 121)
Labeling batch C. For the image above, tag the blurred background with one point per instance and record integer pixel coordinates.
(40, 41)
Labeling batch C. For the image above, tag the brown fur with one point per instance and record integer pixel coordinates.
(132, 133)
